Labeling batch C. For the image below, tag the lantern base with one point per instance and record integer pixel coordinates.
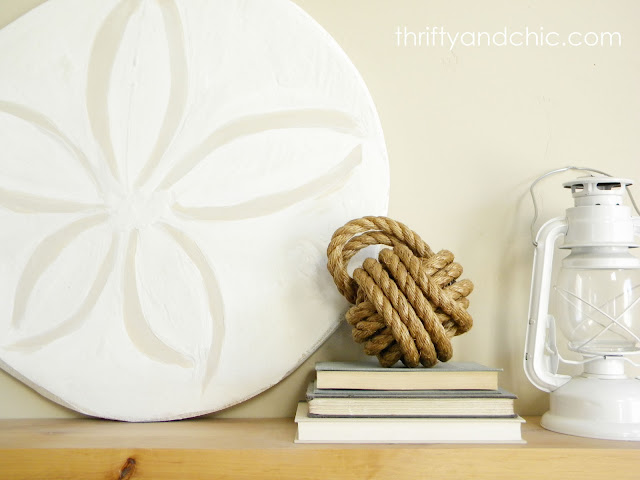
(596, 407)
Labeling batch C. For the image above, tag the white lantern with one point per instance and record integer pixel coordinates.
(596, 302)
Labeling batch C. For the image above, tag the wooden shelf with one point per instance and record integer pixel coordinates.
(264, 449)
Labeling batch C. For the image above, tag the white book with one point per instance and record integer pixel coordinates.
(368, 375)
(405, 430)
(409, 403)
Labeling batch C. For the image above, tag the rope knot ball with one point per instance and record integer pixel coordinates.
(409, 303)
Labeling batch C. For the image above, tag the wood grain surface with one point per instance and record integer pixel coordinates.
(264, 449)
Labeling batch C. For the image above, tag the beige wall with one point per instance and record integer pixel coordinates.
(467, 131)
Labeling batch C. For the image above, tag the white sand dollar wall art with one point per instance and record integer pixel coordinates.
(171, 174)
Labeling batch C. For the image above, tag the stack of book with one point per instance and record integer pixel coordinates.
(454, 402)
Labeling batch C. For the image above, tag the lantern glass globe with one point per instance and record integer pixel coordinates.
(597, 308)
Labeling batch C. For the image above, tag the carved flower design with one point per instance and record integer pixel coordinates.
(125, 209)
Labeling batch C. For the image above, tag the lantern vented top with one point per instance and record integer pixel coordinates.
(589, 191)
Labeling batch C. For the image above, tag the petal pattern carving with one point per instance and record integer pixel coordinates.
(245, 126)
(178, 90)
(47, 126)
(214, 297)
(41, 259)
(136, 325)
(76, 320)
(266, 205)
(105, 48)
(21, 202)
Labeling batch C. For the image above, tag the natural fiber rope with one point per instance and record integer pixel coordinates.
(408, 303)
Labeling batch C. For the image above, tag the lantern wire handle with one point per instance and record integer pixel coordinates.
(554, 172)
